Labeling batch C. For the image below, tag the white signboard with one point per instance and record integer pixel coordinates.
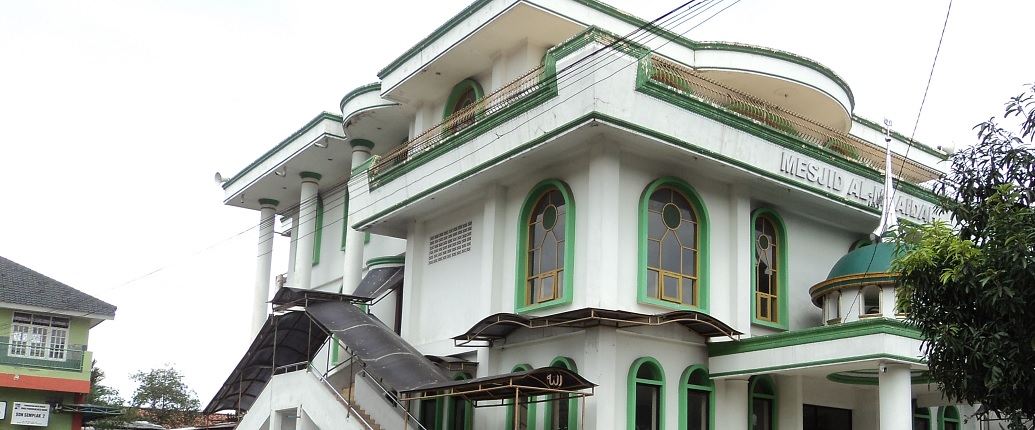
(30, 414)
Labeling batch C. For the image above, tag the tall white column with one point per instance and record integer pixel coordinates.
(263, 263)
(306, 235)
(733, 411)
(353, 271)
(894, 388)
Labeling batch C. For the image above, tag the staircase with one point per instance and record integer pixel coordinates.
(346, 393)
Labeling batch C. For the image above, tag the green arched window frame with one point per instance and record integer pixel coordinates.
(522, 300)
(457, 405)
(318, 233)
(774, 316)
(948, 418)
(468, 92)
(762, 390)
(652, 375)
(921, 418)
(695, 381)
(553, 407)
(702, 243)
(430, 412)
(529, 413)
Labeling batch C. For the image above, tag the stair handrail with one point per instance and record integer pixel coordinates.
(327, 383)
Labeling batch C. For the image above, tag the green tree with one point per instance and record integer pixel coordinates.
(103, 395)
(164, 398)
(969, 285)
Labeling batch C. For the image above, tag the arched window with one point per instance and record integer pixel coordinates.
(459, 106)
(762, 403)
(525, 418)
(428, 411)
(673, 245)
(921, 418)
(562, 411)
(547, 237)
(460, 411)
(769, 275)
(646, 395)
(697, 400)
(948, 418)
(870, 301)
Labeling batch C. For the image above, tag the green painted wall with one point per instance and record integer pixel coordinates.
(57, 421)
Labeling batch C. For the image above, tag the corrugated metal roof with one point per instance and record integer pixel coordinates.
(20, 285)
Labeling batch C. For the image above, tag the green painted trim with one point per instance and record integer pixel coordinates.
(386, 260)
(782, 294)
(814, 335)
(639, 23)
(766, 380)
(522, 247)
(873, 380)
(685, 386)
(345, 219)
(305, 128)
(270, 202)
(361, 143)
(599, 117)
(431, 38)
(310, 175)
(923, 414)
(573, 403)
(850, 281)
(318, 233)
(451, 405)
(915, 144)
(724, 116)
(630, 393)
(948, 414)
(364, 166)
(840, 360)
(510, 405)
(371, 87)
(703, 244)
(366, 237)
(547, 90)
(458, 90)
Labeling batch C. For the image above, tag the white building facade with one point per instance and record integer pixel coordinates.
(553, 184)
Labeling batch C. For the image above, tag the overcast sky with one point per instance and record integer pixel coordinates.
(114, 116)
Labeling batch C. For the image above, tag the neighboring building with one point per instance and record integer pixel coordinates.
(634, 232)
(44, 361)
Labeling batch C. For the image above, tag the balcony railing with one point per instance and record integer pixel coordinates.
(38, 356)
(690, 83)
(516, 91)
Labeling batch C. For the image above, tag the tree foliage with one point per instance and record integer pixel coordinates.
(104, 395)
(164, 398)
(969, 285)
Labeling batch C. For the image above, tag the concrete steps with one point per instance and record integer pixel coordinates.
(346, 393)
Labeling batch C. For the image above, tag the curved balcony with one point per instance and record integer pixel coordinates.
(860, 286)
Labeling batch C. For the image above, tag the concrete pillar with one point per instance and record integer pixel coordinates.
(789, 389)
(732, 409)
(263, 263)
(894, 389)
(353, 271)
(305, 237)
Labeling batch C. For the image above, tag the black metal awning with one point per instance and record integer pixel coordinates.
(386, 355)
(283, 340)
(543, 381)
(499, 326)
(287, 298)
(379, 281)
(90, 412)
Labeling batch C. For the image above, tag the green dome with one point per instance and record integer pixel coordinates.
(875, 258)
